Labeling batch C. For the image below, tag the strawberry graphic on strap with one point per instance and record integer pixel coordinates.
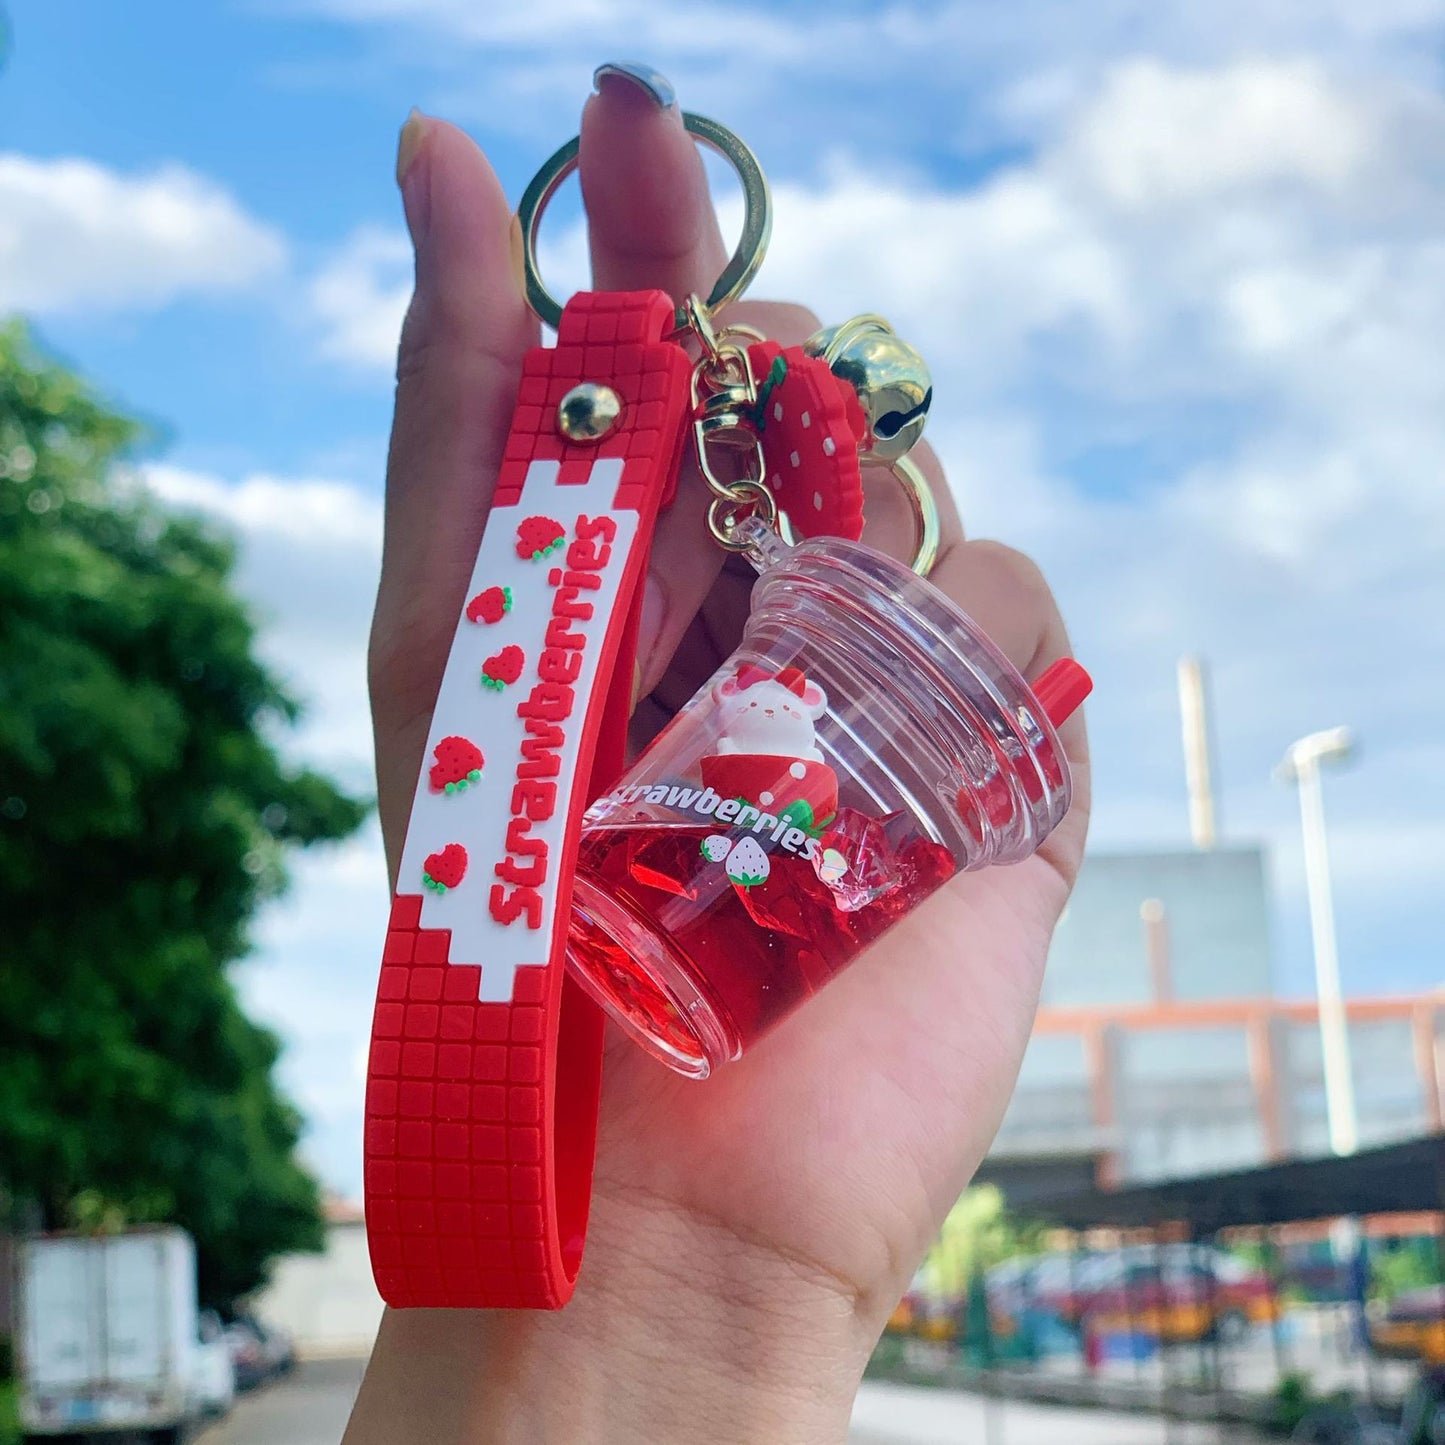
(811, 425)
(538, 537)
(458, 763)
(445, 869)
(491, 605)
(503, 668)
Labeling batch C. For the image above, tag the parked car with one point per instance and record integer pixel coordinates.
(1412, 1326)
(923, 1314)
(1184, 1298)
(215, 1374)
(1175, 1292)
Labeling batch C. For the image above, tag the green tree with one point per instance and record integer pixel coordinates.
(144, 814)
(978, 1234)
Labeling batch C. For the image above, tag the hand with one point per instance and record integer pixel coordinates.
(749, 1235)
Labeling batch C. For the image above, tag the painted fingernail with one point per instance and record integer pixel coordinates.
(409, 174)
(651, 82)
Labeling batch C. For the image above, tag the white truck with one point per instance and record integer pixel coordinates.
(110, 1338)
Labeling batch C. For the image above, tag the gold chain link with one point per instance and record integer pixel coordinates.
(724, 397)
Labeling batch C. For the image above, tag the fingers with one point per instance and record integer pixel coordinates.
(461, 353)
(889, 522)
(652, 225)
(1006, 594)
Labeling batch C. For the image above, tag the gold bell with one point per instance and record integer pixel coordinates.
(890, 377)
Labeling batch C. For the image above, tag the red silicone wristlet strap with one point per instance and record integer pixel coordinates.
(483, 1079)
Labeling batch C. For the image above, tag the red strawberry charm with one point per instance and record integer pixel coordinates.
(503, 667)
(458, 762)
(445, 869)
(538, 537)
(810, 424)
(491, 605)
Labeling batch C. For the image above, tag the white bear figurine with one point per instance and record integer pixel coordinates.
(763, 714)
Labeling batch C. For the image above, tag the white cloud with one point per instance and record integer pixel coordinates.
(309, 550)
(1230, 280)
(945, 76)
(1158, 134)
(359, 297)
(75, 234)
(318, 514)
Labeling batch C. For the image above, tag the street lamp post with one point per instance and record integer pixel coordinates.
(1301, 765)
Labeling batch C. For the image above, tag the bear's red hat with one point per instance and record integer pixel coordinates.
(791, 678)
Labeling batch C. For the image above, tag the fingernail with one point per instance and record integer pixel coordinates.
(408, 145)
(643, 77)
(408, 173)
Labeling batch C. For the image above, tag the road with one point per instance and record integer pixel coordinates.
(311, 1406)
(308, 1407)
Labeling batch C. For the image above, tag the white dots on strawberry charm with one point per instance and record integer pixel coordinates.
(810, 424)
(716, 846)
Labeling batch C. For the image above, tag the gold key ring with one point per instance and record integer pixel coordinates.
(925, 513)
(752, 246)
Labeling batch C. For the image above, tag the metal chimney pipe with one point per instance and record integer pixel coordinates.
(1156, 948)
(1194, 711)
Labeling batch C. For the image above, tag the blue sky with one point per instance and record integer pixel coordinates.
(1178, 270)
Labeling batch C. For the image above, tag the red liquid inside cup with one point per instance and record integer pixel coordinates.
(749, 954)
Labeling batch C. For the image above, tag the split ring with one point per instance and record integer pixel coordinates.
(752, 246)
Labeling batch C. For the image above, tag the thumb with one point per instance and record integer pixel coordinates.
(465, 335)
